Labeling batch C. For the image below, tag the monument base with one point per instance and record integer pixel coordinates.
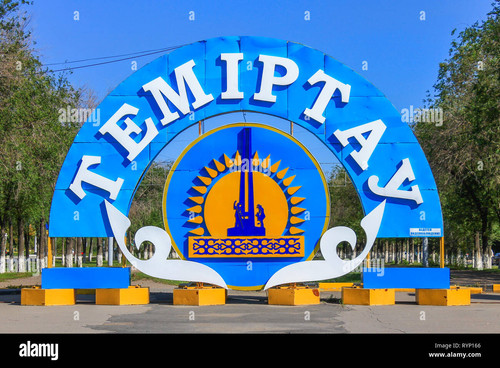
(38, 296)
(133, 295)
(444, 297)
(361, 296)
(293, 295)
(199, 295)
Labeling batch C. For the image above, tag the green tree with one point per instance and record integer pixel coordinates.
(464, 152)
(345, 205)
(146, 208)
(33, 140)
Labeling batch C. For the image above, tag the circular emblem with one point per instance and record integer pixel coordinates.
(246, 199)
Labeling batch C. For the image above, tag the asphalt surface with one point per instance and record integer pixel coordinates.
(86, 332)
(247, 312)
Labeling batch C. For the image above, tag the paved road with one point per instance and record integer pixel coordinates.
(248, 312)
(366, 333)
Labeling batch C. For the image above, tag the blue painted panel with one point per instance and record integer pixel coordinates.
(366, 104)
(79, 218)
(86, 278)
(398, 278)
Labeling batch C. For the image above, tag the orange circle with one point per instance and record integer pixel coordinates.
(219, 214)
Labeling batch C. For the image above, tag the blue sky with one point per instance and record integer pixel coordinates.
(402, 51)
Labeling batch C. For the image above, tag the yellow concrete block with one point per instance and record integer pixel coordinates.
(199, 296)
(37, 296)
(496, 288)
(334, 286)
(445, 297)
(473, 290)
(293, 296)
(133, 295)
(360, 296)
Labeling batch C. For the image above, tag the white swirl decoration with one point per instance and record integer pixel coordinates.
(158, 265)
(332, 266)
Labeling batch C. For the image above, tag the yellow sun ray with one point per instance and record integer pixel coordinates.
(196, 220)
(293, 190)
(296, 200)
(219, 165)
(200, 189)
(280, 175)
(195, 209)
(205, 180)
(288, 180)
(255, 160)
(198, 200)
(198, 231)
(213, 173)
(294, 220)
(295, 230)
(296, 210)
(275, 166)
(228, 161)
(265, 162)
(237, 159)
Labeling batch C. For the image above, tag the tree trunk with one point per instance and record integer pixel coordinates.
(41, 245)
(425, 252)
(27, 249)
(412, 255)
(69, 251)
(105, 250)
(99, 252)
(53, 251)
(386, 252)
(91, 245)
(3, 248)
(79, 252)
(63, 251)
(478, 256)
(21, 264)
(84, 249)
(11, 247)
(488, 257)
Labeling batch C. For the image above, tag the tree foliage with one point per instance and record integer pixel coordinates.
(33, 140)
(464, 151)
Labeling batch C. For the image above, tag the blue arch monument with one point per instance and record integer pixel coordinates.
(270, 77)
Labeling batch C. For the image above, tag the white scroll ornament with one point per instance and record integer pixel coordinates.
(158, 265)
(332, 266)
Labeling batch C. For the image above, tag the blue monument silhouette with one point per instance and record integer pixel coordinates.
(244, 208)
